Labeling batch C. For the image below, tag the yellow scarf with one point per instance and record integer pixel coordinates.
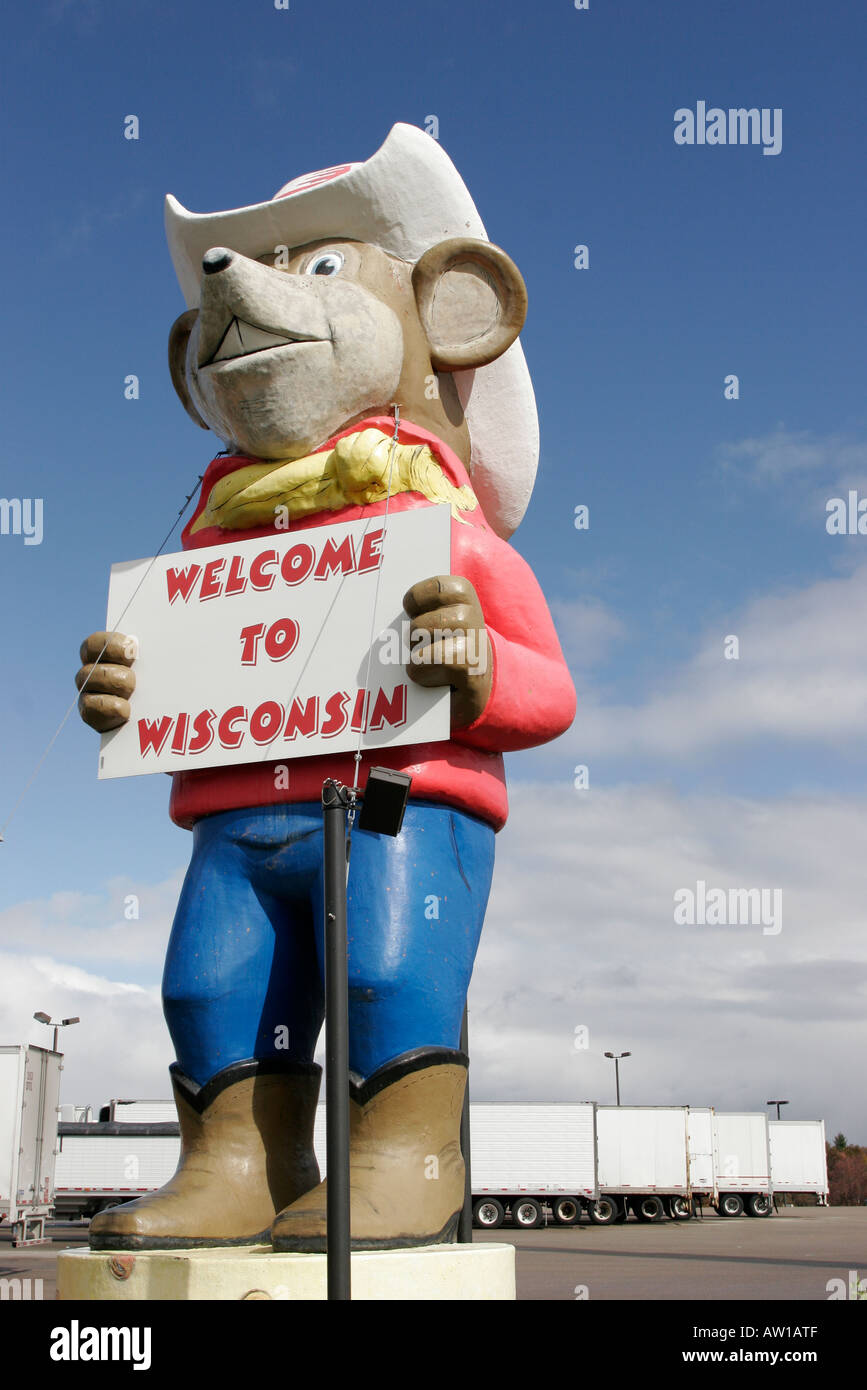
(353, 473)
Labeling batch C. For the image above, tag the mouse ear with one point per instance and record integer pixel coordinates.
(472, 302)
(179, 336)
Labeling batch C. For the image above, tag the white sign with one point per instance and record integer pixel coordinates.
(258, 651)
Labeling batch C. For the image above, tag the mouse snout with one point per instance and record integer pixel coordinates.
(216, 259)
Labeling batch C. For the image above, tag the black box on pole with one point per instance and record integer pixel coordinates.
(384, 801)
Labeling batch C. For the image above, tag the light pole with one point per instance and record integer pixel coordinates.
(615, 1057)
(58, 1023)
(777, 1103)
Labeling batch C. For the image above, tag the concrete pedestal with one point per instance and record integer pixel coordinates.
(434, 1272)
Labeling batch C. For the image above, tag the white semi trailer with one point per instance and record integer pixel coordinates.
(799, 1157)
(742, 1164)
(101, 1165)
(523, 1156)
(29, 1092)
(643, 1163)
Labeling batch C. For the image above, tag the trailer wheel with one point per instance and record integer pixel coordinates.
(679, 1208)
(730, 1204)
(648, 1208)
(567, 1211)
(489, 1213)
(604, 1212)
(759, 1204)
(527, 1213)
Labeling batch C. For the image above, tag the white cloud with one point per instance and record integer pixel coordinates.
(71, 979)
(782, 455)
(120, 1047)
(78, 954)
(801, 676)
(126, 921)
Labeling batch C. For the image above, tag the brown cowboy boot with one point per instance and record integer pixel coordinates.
(246, 1150)
(406, 1168)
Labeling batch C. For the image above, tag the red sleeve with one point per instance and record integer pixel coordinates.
(532, 697)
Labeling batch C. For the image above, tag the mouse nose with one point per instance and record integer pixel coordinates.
(217, 259)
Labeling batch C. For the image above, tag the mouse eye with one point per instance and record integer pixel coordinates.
(325, 263)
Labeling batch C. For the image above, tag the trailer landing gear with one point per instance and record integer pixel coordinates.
(30, 1230)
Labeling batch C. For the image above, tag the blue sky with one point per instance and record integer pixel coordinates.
(707, 515)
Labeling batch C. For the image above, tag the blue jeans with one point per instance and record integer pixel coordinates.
(243, 973)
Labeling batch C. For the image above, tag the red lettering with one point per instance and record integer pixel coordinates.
(236, 580)
(335, 709)
(203, 732)
(358, 712)
(281, 639)
(179, 740)
(182, 582)
(297, 563)
(336, 557)
(370, 556)
(152, 734)
(258, 578)
(250, 640)
(265, 721)
(302, 720)
(210, 584)
(229, 737)
(393, 710)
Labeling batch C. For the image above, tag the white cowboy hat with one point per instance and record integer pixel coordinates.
(405, 198)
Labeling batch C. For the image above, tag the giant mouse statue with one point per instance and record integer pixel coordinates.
(310, 317)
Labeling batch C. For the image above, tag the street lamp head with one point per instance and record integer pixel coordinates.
(42, 1018)
(609, 1054)
(67, 1021)
(626, 1054)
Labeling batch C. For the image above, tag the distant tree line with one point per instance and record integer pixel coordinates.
(847, 1173)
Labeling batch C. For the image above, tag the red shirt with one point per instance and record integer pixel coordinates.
(532, 697)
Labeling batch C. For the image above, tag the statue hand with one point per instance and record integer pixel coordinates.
(450, 644)
(105, 702)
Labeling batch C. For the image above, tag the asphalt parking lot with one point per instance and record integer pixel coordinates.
(793, 1255)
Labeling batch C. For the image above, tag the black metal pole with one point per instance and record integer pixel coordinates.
(617, 1077)
(465, 1224)
(336, 1042)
